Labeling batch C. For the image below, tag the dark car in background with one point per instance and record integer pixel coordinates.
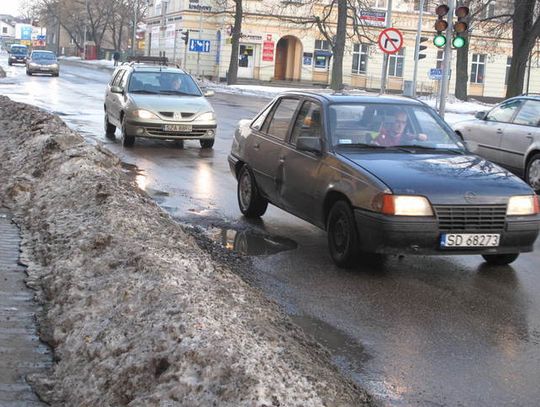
(509, 135)
(17, 54)
(44, 62)
(320, 157)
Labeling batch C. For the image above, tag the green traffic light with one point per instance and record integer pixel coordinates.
(439, 41)
(458, 42)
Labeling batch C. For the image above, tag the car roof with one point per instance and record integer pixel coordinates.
(42, 51)
(155, 68)
(530, 96)
(330, 97)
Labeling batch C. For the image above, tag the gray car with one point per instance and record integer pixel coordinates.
(338, 162)
(509, 135)
(44, 62)
(159, 102)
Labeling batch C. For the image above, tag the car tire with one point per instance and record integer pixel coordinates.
(500, 259)
(209, 143)
(532, 172)
(342, 235)
(9, 63)
(109, 128)
(29, 73)
(250, 201)
(56, 74)
(127, 140)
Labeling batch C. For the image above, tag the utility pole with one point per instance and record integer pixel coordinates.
(417, 46)
(385, 60)
(447, 59)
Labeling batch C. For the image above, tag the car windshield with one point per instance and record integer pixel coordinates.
(18, 50)
(44, 56)
(167, 83)
(389, 126)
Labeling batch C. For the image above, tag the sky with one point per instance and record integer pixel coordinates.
(10, 7)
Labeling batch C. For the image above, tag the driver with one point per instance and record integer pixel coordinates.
(394, 132)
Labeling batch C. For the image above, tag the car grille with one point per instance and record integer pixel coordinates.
(161, 133)
(480, 218)
(185, 115)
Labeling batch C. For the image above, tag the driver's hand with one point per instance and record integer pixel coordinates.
(422, 137)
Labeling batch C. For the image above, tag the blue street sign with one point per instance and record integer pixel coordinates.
(199, 45)
(435, 73)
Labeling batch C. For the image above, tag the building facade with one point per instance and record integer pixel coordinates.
(276, 45)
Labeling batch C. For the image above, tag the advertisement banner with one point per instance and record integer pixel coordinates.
(374, 18)
(268, 51)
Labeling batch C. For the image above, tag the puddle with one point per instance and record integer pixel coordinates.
(249, 242)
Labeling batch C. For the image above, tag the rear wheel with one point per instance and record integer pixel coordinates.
(207, 143)
(250, 201)
(532, 172)
(127, 140)
(109, 128)
(342, 235)
(500, 259)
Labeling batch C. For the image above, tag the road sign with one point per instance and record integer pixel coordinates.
(435, 73)
(390, 40)
(199, 45)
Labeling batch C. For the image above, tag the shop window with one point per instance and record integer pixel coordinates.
(478, 68)
(395, 63)
(379, 4)
(360, 58)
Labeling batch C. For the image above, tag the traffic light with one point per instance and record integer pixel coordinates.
(461, 27)
(185, 36)
(421, 48)
(441, 25)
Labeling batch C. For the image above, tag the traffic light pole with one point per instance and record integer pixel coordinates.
(447, 60)
(417, 46)
(385, 60)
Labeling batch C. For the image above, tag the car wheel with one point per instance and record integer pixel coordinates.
(342, 235)
(250, 201)
(109, 128)
(500, 259)
(532, 172)
(127, 140)
(56, 74)
(9, 63)
(207, 143)
(29, 73)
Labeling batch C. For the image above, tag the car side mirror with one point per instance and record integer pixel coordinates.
(480, 115)
(117, 89)
(208, 93)
(311, 144)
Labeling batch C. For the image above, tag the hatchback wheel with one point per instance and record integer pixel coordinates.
(500, 259)
(250, 201)
(109, 128)
(127, 140)
(209, 143)
(342, 235)
(532, 172)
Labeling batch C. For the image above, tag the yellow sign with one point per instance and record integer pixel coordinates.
(140, 44)
(26, 42)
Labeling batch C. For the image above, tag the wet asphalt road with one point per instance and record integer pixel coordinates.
(434, 331)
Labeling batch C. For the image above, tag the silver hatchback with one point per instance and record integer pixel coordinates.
(157, 102)
(509, 135)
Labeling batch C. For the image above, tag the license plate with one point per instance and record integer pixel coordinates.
(470, 239)
(43, 69)
(184, 128)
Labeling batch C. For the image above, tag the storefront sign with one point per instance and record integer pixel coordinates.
(268, 51)
(308, 58)
(195, 5)
(376, 18)
(251, 37)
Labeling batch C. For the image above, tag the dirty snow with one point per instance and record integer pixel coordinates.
(136, 312)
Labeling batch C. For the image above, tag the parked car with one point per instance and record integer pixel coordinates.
(17, 54)
(42, 62)
(159, 102)
(509, 135)
(328, 159)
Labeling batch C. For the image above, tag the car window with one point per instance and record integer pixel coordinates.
(118, 78)
(258, 122)
(170, 83)
(529, 114)
(48, 56)
(308, 122)
(281, 120)
(19, 50)
(504, 112)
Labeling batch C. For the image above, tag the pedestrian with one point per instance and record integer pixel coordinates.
(116, 57)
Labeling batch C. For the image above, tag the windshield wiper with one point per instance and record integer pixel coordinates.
(408, 147)
(177, 92)
(362, 145)
(150, 92)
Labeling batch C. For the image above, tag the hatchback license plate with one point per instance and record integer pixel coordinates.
(177, 127)
(470, 239)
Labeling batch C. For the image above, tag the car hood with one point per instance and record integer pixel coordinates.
(444, 179)
(171, 103)
(44, 62)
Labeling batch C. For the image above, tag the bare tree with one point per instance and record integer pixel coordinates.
(232, 76)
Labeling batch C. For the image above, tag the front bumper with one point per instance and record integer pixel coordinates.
(411, 235)
(43, 69)
(18, 60)
(200, 131)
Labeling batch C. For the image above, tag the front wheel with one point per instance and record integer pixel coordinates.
(127, 140)
(250, 201)
(29, 73)
(342, 235)
(532, 172)
(500, 259)
(208, 143)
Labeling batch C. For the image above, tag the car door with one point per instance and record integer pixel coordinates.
(520, 134)
(299, 189)
(484, 136)
(114, 101)
(264, 149)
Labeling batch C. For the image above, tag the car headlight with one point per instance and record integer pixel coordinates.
(33, 65)
(402, 205)
(522, 205)
(207, 116)
(144, 114)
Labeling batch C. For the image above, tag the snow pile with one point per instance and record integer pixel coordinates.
(136, 312)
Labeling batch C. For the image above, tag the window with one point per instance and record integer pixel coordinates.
(395, 63)
(504, 112)
(4, 30)
(379, 4)
(529, 114)
(477, 68)
(489, 9)
(427, 5)
(440, 58)
(258, 122)
(279, 125)
(308, 122)
(322, 54)
(508, 63)
(116, 80)
(360, 58)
